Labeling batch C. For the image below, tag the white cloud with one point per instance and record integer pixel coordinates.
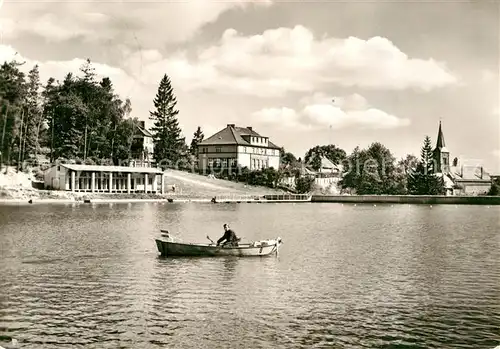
(124, 84)
(292, 59)
(269, 64)
(488, 75)
(284, 117)
(169, 21)
(352, 111)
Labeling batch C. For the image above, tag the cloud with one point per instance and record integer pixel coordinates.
(123, 83)
(270, 64)
(284, 117)
(488, 76)
(292, 59)
(170, 21)
(351, 111)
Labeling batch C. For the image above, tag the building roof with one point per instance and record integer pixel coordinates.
(143, 132)
(326, 163)
(448, 182)
(440, 140)
(469, 173)
(99, 168)
(232, 134)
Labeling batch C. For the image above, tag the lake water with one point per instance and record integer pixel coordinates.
(89, 276)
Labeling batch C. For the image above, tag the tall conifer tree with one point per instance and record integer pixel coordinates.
(169, 145)
(423, 180)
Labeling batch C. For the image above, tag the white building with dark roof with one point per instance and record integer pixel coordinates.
(142, 148)
(104, 179)
(238, 146)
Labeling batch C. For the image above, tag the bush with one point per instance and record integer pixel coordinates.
(304, 185)
(495, 188)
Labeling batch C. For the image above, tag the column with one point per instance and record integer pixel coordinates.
(129, 183)
(110, 182)
(145, 182)
(92, 183)
(155, 183)
(73, 181)
(162, 183)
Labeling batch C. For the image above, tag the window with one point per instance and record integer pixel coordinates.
(205, 150)
(210, 162)
(224, 162)
(217, 162)
(232, 162)
(218, 150)
(253, 164)
(445, 161)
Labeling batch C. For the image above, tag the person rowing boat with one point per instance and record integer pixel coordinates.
(229, 237)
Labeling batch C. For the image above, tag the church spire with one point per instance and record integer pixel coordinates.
(440, 140)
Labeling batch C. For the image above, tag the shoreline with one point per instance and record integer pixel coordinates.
(88, 201)
(407, 199)
(342, 199)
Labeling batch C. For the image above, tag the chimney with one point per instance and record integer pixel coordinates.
(230, 125)
(250, 128)
(482, 172)
(142, 124)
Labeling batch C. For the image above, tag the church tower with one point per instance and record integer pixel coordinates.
(441, 154)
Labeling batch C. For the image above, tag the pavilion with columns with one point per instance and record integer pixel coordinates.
(104, 179)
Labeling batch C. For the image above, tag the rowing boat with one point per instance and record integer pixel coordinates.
(168, 247)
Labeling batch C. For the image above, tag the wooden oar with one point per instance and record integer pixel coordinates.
(208, 237)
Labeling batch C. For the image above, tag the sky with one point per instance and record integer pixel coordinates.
(303, 73)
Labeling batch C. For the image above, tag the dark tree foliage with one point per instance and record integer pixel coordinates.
(79, 118)
(422, 180)
(198, 136)
(331, 152)
(169, 145)
(372, 171)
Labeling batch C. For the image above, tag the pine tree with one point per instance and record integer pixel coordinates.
(12, 111)
(427, 156)
(423, 180)
(197, 138)
(49, 95)
(168, 143)
(34, 119)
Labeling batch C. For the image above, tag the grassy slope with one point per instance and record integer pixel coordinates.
(195, 185)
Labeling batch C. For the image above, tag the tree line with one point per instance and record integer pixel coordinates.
(80, 119)
(371, 171)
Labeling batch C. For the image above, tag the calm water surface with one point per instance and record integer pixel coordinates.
(88, 276)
